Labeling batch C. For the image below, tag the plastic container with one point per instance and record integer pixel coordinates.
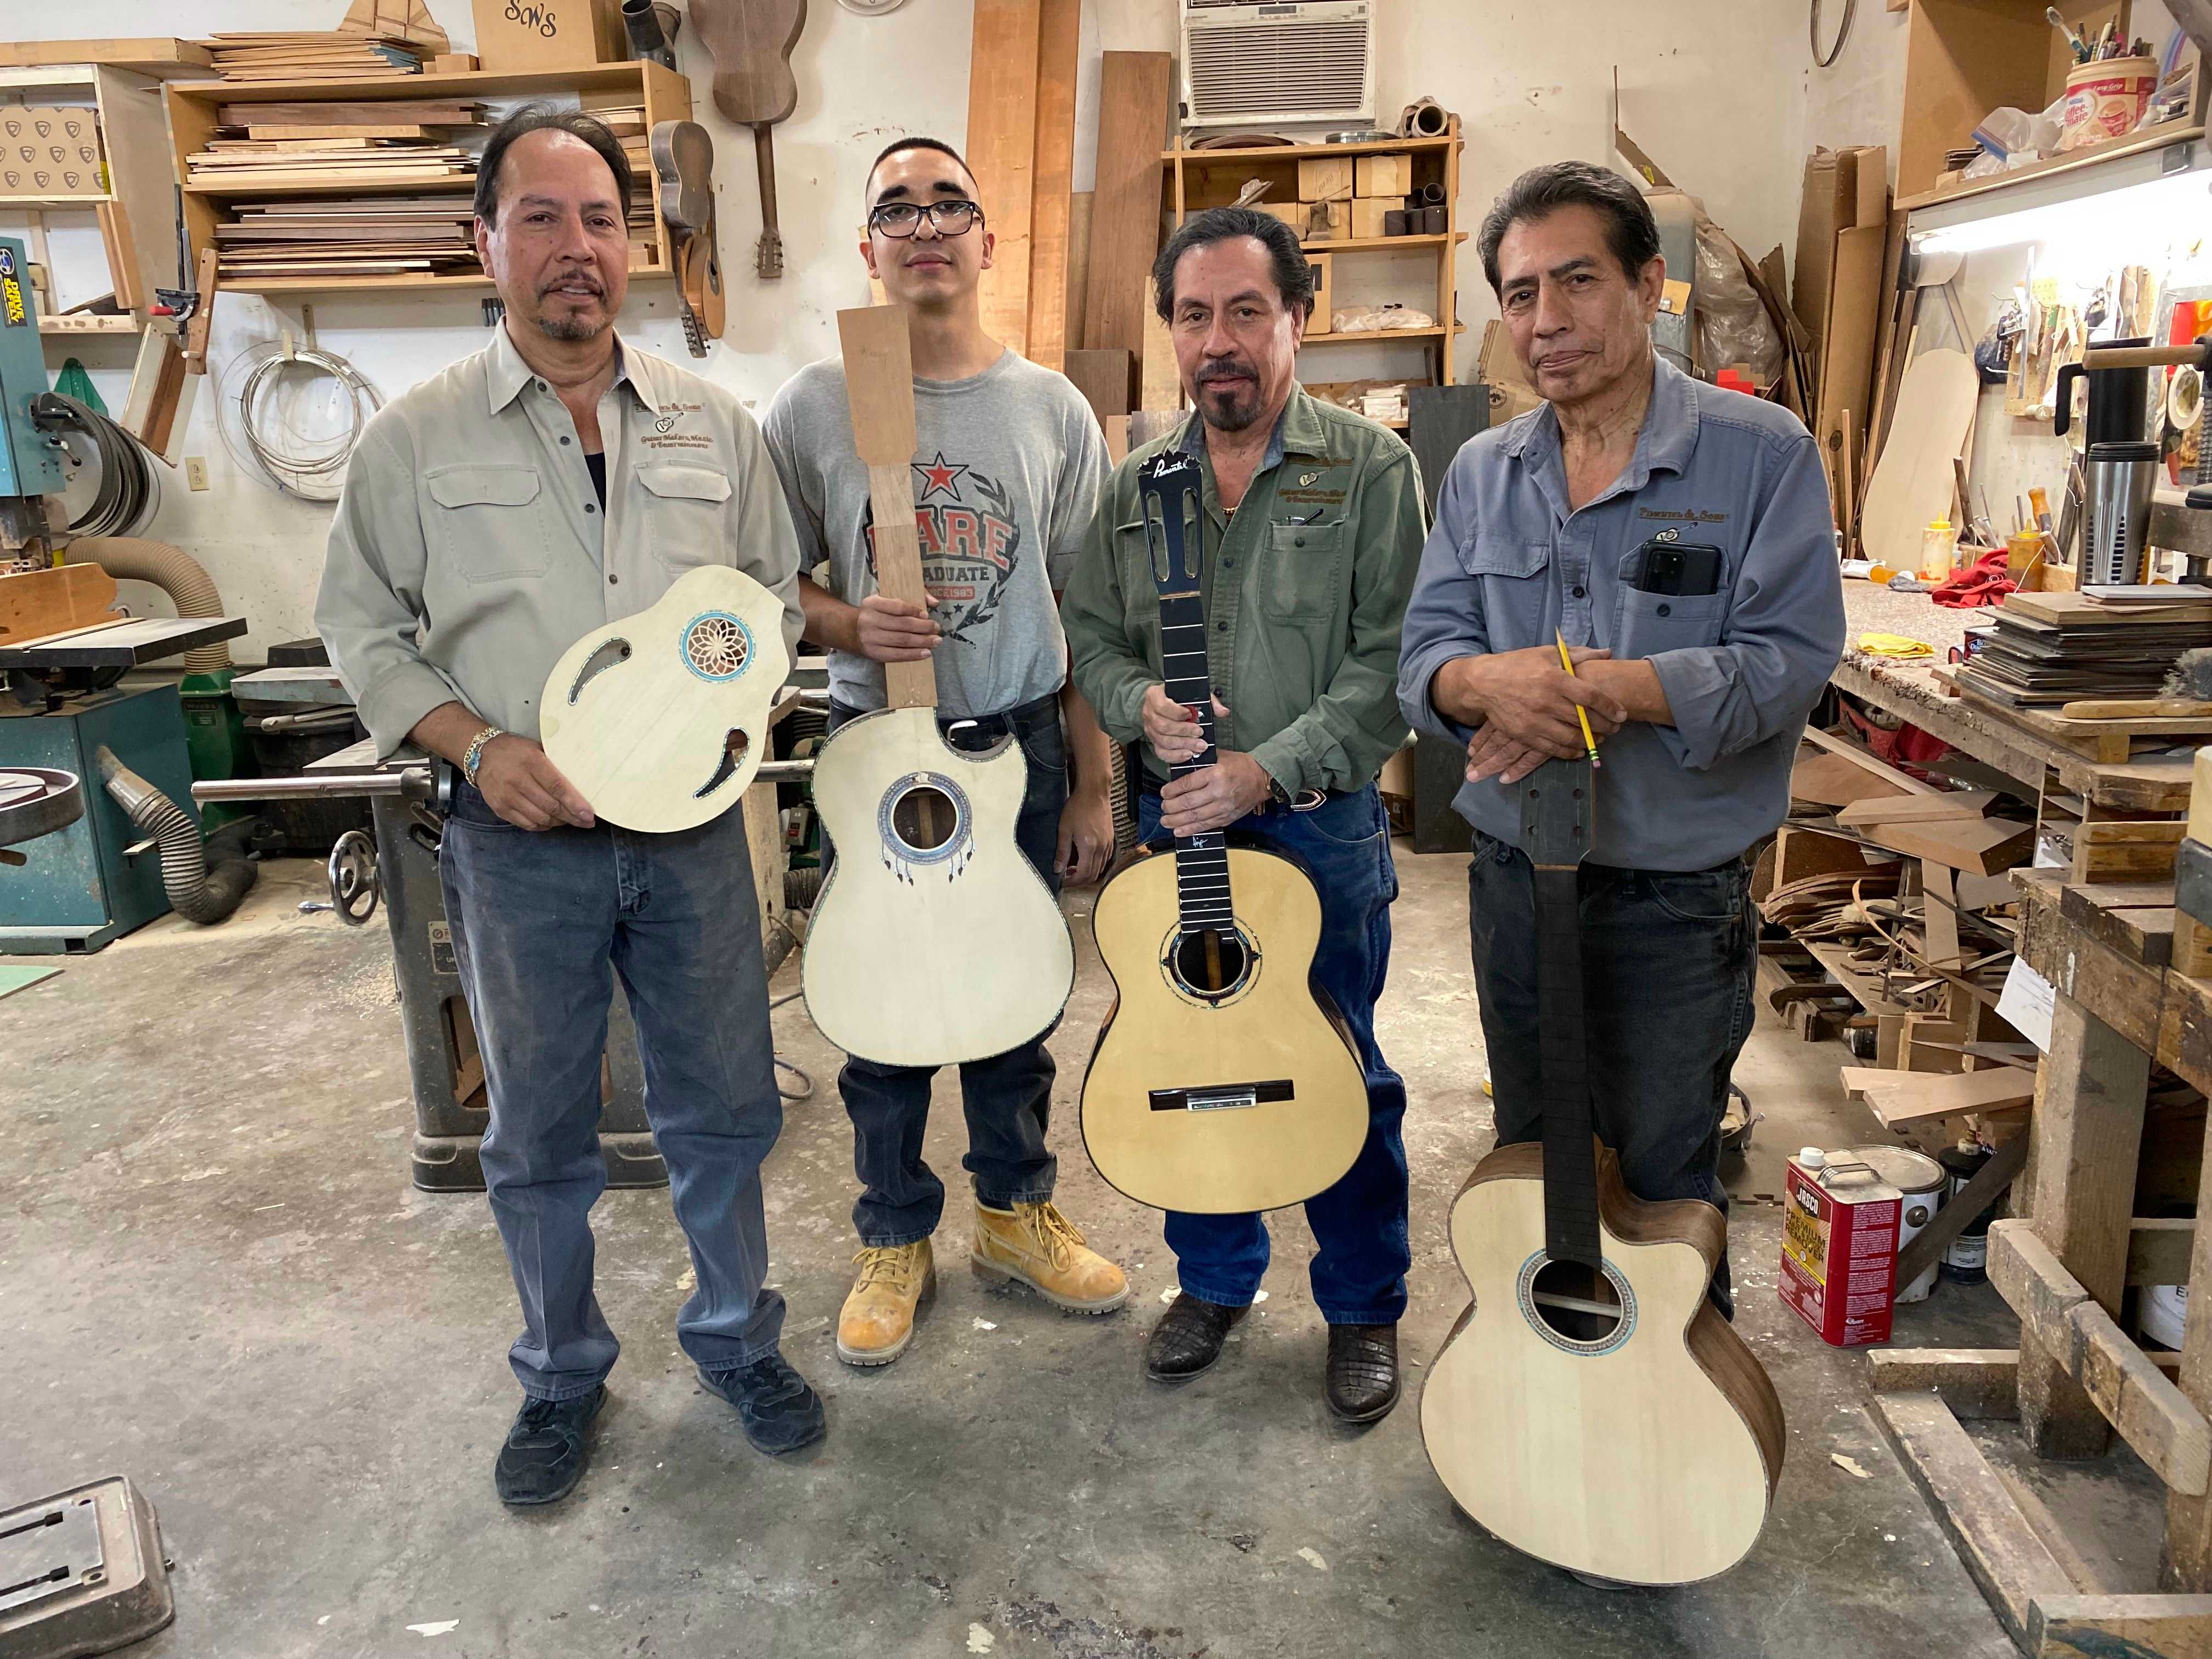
(1939, 550)
(1966, 1260)
(2165, 1313)
(2106, 100)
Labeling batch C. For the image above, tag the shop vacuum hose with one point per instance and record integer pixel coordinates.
(196, 892)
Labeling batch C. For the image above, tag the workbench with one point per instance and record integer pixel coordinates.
(2063, 1263)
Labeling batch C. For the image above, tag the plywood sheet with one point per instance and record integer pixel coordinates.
(1912, 483)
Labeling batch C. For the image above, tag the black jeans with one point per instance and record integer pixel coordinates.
(1007, 1097)
(1668, 964)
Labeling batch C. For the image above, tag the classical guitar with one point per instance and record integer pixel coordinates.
(661, 720)
(1221, 1082)
(751, 42)
(684, 164)
(1591, 1406)
(934, 941)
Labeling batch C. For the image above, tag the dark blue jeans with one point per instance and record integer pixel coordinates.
(1667, 963)
(1358, 1271)
(1008, 1097)
(537, 920)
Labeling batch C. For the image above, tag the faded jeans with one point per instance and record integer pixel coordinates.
(1359, 1272)
(538, 918)
(1667, 963)
(1007, 1099)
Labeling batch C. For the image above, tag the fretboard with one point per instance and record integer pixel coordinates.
(1571, 1221)
(1201, 861)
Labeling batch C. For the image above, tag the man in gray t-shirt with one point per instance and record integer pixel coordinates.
(1007, 473)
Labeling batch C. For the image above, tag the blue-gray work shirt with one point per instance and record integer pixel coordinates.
(1507, 562)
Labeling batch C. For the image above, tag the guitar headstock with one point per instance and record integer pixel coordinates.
(1168, 493)
(1557, 812)
(768, 255)
(879, 383)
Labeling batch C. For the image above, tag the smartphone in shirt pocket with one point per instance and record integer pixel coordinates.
(1673, 597)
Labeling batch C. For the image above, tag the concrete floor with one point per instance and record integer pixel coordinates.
(214, 1276)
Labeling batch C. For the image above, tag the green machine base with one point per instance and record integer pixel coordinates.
(81, 886)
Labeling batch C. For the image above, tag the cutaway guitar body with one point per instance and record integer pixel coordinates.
(1219, 1084)
(1617, 1427)
(935, 940)
(660, 719)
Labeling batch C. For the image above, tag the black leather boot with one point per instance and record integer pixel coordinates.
(1188, 1337)
(1363, 1371)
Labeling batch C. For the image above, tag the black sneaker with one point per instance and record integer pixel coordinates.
(545, 1451)
(778, 1412)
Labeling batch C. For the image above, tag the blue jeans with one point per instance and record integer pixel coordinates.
(1667, 963)
(1008, 1097)
(537, 920)
(1359, 1272)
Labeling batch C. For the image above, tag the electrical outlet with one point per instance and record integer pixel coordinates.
(195, 472)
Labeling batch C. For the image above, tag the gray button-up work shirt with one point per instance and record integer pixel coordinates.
(1508, 562)
(470, 549)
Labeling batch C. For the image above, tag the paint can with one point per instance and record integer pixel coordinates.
(1924, 1184)
(1967, 1258)
(1839, 1246)
(2165, 1313)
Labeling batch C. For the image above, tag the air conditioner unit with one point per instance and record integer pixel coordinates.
(1256, 65)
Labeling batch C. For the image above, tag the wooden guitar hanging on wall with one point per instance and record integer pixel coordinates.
(1220, 1083)
(1591, 1406)
(661, 720)
(935, 940)
(751, 42)
(683, 167)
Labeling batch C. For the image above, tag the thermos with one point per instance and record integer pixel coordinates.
(2120, 465)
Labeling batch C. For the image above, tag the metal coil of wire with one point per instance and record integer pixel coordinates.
(130, 488)
(259, 421)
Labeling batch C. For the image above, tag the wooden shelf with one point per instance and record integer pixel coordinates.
(458, 184)
(1199, 158)
(49, 204)
(88, 323)
(475, 83)
(453, 282)
(2080, 160)
(1370, 336)
(1362, 244)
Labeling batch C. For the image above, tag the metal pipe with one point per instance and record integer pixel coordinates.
(408, 783)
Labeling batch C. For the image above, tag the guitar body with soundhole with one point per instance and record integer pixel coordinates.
(935, 940)
(1222, 1082)
(1591, 1406)
(683, 167)
(660, 719)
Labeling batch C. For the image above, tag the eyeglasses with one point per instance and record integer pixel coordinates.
(899, 219)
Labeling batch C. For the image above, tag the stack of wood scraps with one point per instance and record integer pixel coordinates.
(2044, 650)
(625, 118)
(313, 55)
(373, 236)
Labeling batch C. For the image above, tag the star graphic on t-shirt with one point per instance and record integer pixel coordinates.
(939, 474)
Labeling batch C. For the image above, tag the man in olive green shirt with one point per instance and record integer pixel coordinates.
(1313, 531)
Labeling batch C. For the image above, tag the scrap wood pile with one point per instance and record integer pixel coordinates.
(375, 39)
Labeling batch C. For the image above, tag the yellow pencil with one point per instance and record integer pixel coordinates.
(1589, 739)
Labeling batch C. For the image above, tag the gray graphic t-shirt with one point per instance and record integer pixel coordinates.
(1007, 474)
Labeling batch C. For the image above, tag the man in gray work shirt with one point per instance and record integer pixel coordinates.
(554, 481)
(1697, 697)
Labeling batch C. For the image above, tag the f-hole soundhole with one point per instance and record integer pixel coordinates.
(924, 818)
(735, 747)
(1578, 1303)
(1209, 963)
(598, 663)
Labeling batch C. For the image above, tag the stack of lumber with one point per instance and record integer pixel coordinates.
(251, 163)
(313, 55)
(368, 236)
(2045, 649)
(627, 121)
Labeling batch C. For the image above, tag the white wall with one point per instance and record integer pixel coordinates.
(1860, 98)
(1712, 89)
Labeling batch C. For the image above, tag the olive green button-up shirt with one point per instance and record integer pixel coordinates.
(1304, 586)
(470, 549)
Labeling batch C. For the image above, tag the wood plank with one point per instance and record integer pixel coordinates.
(1838, 780)
(1134, 95)
(1939, 914)
(879, 391)
(1874, 764)
(35, 604)
(1996, 1545)
(2188, 1560)
(1974, 1382)
(1981, 847)
(1104, 378)
(1899, 1098)
(2159, 1249)
(151, 54)
(2119, 1627)
(1001, 152)
(2136, 919)
(2087, 1130)
(1928, 1245)
(1059, 27)
(1916, 808)
(1079, 264)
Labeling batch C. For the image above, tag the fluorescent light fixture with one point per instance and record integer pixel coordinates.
(2177, 208)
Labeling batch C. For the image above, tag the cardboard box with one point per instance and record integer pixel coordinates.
(1292, 214)
(1327, 177)
(524, 36)
(1839, 1249)
(1383, 175)
(50, 151)
(1845, 190)
(1340, 219)
(1367, 214)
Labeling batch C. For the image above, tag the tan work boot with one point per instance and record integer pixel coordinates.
(1036, 1244)
(877, 1320)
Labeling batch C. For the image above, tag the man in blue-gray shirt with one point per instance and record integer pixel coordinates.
(1553, 522)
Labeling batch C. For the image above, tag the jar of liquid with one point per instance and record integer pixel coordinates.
(1939, 550)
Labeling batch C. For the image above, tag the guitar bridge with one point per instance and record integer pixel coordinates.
(1222, 1097)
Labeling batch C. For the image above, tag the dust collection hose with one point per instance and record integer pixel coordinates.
(196, 892)
(174, 571)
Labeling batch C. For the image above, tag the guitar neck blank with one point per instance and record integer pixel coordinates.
(879, 391)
